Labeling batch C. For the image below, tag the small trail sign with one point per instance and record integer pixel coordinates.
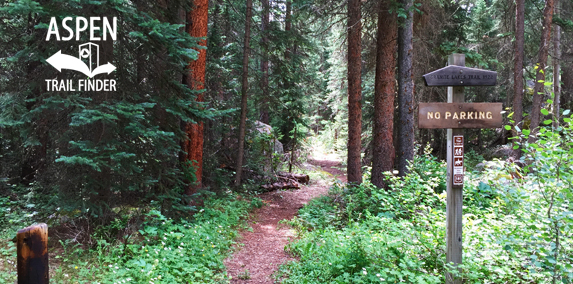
(458, 160)
(460, 76)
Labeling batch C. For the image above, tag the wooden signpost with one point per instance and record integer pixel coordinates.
(455, 115)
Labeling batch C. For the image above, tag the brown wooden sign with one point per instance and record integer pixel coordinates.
(459, 115)
(461, 76)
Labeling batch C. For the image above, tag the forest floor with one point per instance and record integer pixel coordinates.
(262, 250)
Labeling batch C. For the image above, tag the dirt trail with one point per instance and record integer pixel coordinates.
(263, 249)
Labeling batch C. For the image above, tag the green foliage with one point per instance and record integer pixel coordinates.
(416, 191)
(374, 251)
(549, 183)
(472, 158)
(515, 230)
(257, 202)
(93, 151)
(565, 24)
(245, 275)
(8, 267)
(162, 250)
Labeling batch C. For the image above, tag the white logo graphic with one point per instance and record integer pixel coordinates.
(87, 51)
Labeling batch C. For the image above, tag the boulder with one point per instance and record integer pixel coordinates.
(268, 130)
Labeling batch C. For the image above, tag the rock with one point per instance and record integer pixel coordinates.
(502, 152)
(268, 130)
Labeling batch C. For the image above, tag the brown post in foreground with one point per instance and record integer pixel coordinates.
(454, 192)
(33, 255)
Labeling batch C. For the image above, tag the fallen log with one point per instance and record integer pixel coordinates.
(302, 178)
(287, 181)
(281, 185)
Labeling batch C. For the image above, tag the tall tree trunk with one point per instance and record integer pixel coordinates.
(354, 170)
(244, 88)
(265, 63)
(384, 92)
(405, 91)
(518, 69)
(216, 43)
(539, 88)
(288, 25)
(197, 20)
(567, 91)
(556, 69)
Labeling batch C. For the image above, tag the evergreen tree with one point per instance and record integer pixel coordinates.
(539, 89)
(244, 95)
(354, 167)
(518, 68)
(92, 150)
(197, 20)
(405, 151)
(384, 92)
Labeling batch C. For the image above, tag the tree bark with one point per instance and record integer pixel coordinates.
(567, 91)
(556, 69)
(288, 25)
(405, 91)
(384, 92)
(538, 90)
(197, 20)
(354, 170)
(518, 69)
(265, 63)
(244, 88)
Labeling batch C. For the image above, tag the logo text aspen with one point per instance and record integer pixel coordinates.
(88, 61)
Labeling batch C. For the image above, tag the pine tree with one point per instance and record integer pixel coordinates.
(539, 89)
(265, 62)
(99, 149)
(197, 20)
(405, 151)
(384, 92)
(244, 95)
(354, 167)
(556, 68)
(518, 68)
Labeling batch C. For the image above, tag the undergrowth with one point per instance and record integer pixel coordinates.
(163, 250)
(517, 224)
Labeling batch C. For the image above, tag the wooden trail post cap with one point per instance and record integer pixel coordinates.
(32, 259)
(460, 76)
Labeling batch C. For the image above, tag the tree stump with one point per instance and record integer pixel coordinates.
(33, 255)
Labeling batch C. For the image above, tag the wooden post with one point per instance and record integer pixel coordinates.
(454, 192)
(455, 116)
(33, 255)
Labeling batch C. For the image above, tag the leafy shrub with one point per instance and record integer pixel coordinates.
(517, 224)
(374, 251)
(175, 252)
(544, 199)
(163, 251)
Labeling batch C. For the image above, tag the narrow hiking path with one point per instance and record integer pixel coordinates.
(263, 249)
